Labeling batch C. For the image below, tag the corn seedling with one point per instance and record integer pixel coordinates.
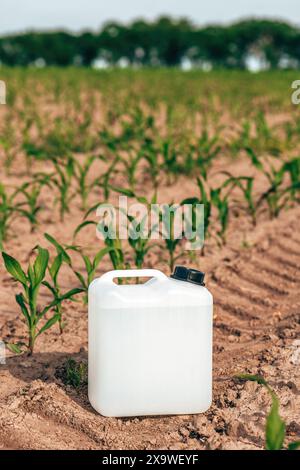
(138, 237)
(81, 174)
(131, 162)
(243, 139)
(275, 426)
(292, 167)
(31, 283)
(116, 251)
(53, 269)
(170, 159)
(206, 150)
(91, 265)
(277, 195)
(171, 239)
(265, 138)
(273, 195)
(104, 180)
(31, 192)
(245, 184)
(113, 244)
(7, 142)
(204, 199)
(149, 153)
(220, 202)
(9, 209)
(61, 178)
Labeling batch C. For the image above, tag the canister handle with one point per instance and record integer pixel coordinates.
(110, 275)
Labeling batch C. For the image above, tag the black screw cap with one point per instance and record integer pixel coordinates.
(189, 275)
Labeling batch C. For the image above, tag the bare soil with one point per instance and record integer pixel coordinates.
(255, 281)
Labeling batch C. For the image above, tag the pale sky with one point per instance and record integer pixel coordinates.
(75, 15)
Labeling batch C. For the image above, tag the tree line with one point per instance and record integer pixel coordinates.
(164, 42)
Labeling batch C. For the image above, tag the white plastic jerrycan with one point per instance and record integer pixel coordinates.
(150, 345)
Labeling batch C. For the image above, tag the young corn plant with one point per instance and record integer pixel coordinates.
(116, 251)
(31, 192)
(243, 139)
(91, 265)
(54, 268)
(245, 184)
(138, 238)
(62, 179)
(149, 154)
(204, 199)
(139, 233)
(171, 239)
(110, 237)
(81, 173)
(220, 201)
(7, 142)
(170, 159)
(31, 282)
(218, 198)
(277, 195)
(265, 139)
(113, 244)
(104, 181)
(292, 167)
(131, 162)
(275, 426)
(7, 212)
(206, 150)
(9, 209)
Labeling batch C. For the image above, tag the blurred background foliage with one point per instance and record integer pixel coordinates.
(251, 43)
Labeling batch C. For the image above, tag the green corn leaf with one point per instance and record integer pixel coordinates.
(40, 265)
(21, 302)
(59, 248)
(91, 209)
(15, 348)
(87, 262)
(294, 445)
(82, 225)
(81, 279)
(71, 293)
(48, 324)
(55, 267)
(31, 275)
(14, 268)
(275, 427)
(126, 192)
(51, 288)
(204, 198)
(100, 255)
(70, 167)
(59, 299)
(255, 161)
(190, 200)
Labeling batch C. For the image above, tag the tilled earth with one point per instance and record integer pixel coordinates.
(257, 323)
(255, 284)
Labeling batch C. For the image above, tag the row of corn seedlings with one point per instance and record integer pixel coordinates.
(283, 189)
